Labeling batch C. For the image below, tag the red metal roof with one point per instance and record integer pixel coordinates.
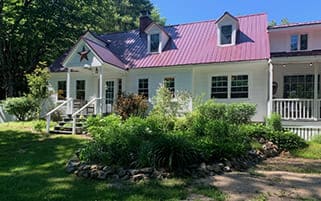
(295, 24)
(192, 43)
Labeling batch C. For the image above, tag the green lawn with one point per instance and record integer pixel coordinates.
(313, 151)
(32, 168)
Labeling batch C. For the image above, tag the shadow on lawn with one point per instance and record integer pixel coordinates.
(32, 168)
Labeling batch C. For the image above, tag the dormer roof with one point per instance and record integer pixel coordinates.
(226, 15)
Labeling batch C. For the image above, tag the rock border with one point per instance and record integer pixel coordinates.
(101, 172)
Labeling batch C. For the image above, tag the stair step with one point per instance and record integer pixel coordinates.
(78, 129)
(78, 124)
(60, 132)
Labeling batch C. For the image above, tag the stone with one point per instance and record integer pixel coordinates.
(109, 170)
(85, 174)
(125, 177)
(72, 165)
(133, 171)
(93, 174)
(138, 177)
(102, 175)
(147, 170)
(93, 167)
(227, 169)
(86, 167)
(121, 172)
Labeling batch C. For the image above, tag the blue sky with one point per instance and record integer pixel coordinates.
(182, 11)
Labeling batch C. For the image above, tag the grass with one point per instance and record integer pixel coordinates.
(32, 168)
(313, 151)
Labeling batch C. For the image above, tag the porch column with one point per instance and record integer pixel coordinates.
(69, 105)
(270, 95)
(100, 90)
(315, 94)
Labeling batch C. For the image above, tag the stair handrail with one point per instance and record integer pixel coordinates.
(74, 115)
(48, 115)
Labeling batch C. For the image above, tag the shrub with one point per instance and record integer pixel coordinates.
(240, 113)
(287, 140)
(173, 151)
(317, 139)
(22, 107)
(166, 105)
(226, 140)
(131, 105)
(256, 131)
(95, 152)
(39, 126)
(274, 122)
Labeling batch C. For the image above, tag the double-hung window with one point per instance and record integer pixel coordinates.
(239, 86)
(219, 87)
(299, 86)
(154, 43)
(143, 87)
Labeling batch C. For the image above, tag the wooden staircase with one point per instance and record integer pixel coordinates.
(65, 126)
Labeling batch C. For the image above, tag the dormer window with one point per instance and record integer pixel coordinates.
(154, 43)
(296, 44)
(227, 27)
(226, 34)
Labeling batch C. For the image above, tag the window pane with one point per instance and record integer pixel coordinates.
(226, 34)
(61, 92)
(80, 89)
(169, 83)
(154, 42)
(304, 42)
(298, 86)
(143, 87)
(109, 92)
(219, 87)
(239, 86)
(294, 42)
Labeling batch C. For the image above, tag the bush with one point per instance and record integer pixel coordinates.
(39, 126)
(226, 140)
(95, 152)
(173, 152)
(274, 122)
(22, 107)
(287, 140)
(131, 105)
(240, 113)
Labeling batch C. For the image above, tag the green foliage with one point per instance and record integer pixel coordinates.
(34, 30)
(131, 105)
(274, 122)
(316, 139)
(173, 151)
(22, 107)
(236, 113)
(240, 113)
(39, 126)
(287, 140)
(38, 82)
(164, 104)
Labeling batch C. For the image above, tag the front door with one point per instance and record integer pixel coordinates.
(110, 95)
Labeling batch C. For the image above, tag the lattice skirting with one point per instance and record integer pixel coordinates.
(304, 132)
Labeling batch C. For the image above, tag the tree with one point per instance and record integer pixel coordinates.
(285, 21)
(41, 30)
(38, 82)
(272, 23)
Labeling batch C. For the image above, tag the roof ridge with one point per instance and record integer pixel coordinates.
(292, 24)
(186, 23)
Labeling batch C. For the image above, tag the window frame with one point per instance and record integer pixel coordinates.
(241, 86)
(144, 91)
(150, 36)
(170, 88)
(223, 35)
(219, 87)
(292, 86)
(297, 45)
(81, 90)
(65, 90)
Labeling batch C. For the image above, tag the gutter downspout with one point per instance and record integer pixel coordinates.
(270, 90)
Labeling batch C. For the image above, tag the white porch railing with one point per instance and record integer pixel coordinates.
(80, 111)
(297, 109)
(67, 102)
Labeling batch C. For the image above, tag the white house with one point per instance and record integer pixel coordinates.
(232, 59)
